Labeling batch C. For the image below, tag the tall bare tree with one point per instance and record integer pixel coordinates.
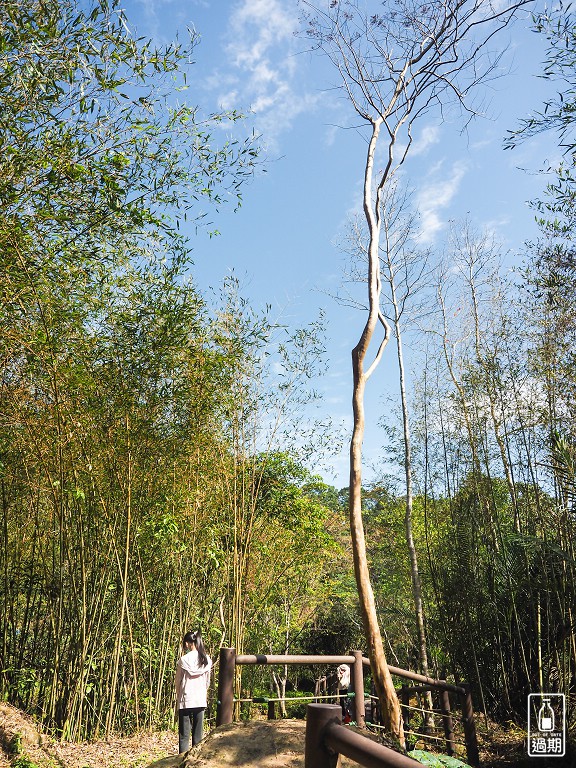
(405, 273)
(396, 65)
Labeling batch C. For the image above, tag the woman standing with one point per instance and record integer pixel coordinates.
(192, 681)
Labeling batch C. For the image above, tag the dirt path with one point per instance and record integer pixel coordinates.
(256, 744)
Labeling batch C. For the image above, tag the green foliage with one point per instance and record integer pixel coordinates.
(295, 709)
(110, 370)
(294, 546)
(390, 568)
(564, 461)
(152, 450)
(15, 745)
(559, 30)
(23, 761)
(434, 760)
(92, 144)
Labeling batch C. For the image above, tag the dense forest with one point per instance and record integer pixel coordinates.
(155, 445)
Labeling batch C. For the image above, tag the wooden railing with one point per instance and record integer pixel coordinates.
(326, 738)
(229, 660)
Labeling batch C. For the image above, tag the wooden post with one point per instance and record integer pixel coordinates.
(271, 710)
(447, 721)
(318, 716)
(227, 666)
(332, 687)
(405, 698)
(340, 740)
(358, 686)
(469, 727)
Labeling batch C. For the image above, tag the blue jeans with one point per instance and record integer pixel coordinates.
(190, 721)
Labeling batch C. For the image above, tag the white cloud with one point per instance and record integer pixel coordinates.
(429, 136)
(481, 144)
(154, 11)
(150, 10)
(228, 100)
(493, 227)
(256, 26)
(435, 197)
(263, 70)
(331, 132)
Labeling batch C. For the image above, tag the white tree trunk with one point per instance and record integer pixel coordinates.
(389, 704)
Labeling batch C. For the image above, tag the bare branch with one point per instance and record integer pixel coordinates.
(381, 348)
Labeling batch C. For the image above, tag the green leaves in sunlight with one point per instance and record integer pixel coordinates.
(109, 380)
(92, 144)
(433, 760)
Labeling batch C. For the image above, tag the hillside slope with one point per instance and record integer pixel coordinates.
(21, 743)
(262, 744)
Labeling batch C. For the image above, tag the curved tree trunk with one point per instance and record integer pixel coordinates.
(389, 704)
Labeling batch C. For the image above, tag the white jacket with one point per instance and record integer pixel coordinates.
(192, 681)
(343, 673)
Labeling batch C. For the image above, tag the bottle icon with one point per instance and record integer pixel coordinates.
(546, 717)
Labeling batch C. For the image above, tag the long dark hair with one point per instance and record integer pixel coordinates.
(195, 638)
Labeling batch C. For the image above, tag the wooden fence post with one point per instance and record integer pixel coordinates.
(447, 721)
(332, 687)
(358, 685)
(374, 711)
(318, 716)
(224, 710)
(469, 727)
(405, 698)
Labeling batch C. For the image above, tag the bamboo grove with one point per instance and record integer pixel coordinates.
(493, 458)
(153, 444)
(139, 469)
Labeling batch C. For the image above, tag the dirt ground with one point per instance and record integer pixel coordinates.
(255, 744)
(130, 752)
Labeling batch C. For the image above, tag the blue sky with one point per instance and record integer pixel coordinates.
(282, 243)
